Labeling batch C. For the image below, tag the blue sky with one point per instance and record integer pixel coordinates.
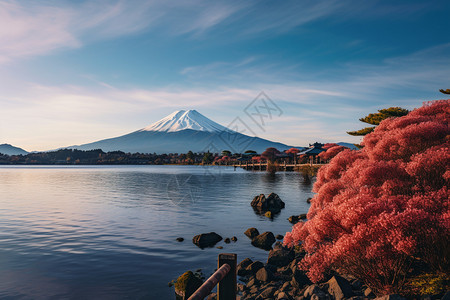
(73, 72)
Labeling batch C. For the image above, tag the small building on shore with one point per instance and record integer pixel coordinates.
(312, 152)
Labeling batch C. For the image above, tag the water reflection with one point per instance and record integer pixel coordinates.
(71, 231)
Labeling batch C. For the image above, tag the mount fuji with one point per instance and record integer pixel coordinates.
(180, 132)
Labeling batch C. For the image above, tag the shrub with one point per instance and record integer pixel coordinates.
(379, 210)
(331, 152)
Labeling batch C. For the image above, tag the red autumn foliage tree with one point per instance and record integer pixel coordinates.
(329, 145)
(256, 158)
(379, 210)
(331, 152)
(293, 151)
(270, 154)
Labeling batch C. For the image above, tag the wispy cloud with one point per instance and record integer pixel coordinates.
(421, 71)
(405, 76)
(42, 27)
(219, 67)
(30, 30)
(34, 28)
(287, 15)
(198, 16)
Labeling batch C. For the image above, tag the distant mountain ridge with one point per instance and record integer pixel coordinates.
(11, 150)
(180, 132)
(348, 145)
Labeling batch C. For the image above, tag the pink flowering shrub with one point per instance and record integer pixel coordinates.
(381, 209)
(331, 152)
(329, 145)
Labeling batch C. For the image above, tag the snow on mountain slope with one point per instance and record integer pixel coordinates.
(185, 119)
(180, 132)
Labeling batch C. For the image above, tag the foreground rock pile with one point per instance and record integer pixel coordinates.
(280, 278)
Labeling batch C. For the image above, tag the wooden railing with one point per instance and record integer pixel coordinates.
(224, 278)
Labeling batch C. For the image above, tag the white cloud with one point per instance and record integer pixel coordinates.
(30, 28)
(287, 15)
(41, 27)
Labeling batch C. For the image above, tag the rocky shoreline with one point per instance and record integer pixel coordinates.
(280, 277)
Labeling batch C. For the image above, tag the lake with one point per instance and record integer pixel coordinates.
(109, 232)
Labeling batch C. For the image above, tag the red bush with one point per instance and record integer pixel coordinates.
(329, 145)
(331, 152)
(379, 209)
(270, 154)
(293, 150)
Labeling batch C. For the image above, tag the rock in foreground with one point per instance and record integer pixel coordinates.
(264, 240)
(206, 239)
(339, 288)
(280, 257)
(187, 284)
(296, 219)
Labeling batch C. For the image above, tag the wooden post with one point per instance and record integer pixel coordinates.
(227, 287)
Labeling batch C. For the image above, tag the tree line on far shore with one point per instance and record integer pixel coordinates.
(99, 157)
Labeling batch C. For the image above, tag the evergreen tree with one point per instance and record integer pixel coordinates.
(376, 118)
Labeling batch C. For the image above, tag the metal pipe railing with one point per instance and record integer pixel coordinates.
(224, 278)
(206, 288)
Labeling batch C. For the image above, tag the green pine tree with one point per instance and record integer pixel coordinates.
(376, 118)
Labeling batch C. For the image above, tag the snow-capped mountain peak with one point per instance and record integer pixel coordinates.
(180, 132)
(185, 119)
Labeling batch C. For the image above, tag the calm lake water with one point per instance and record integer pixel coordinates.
(109, 232)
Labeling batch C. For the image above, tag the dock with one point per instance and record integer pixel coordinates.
(259, 166)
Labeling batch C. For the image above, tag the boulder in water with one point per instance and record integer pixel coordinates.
(206, 239)
(272, 203)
